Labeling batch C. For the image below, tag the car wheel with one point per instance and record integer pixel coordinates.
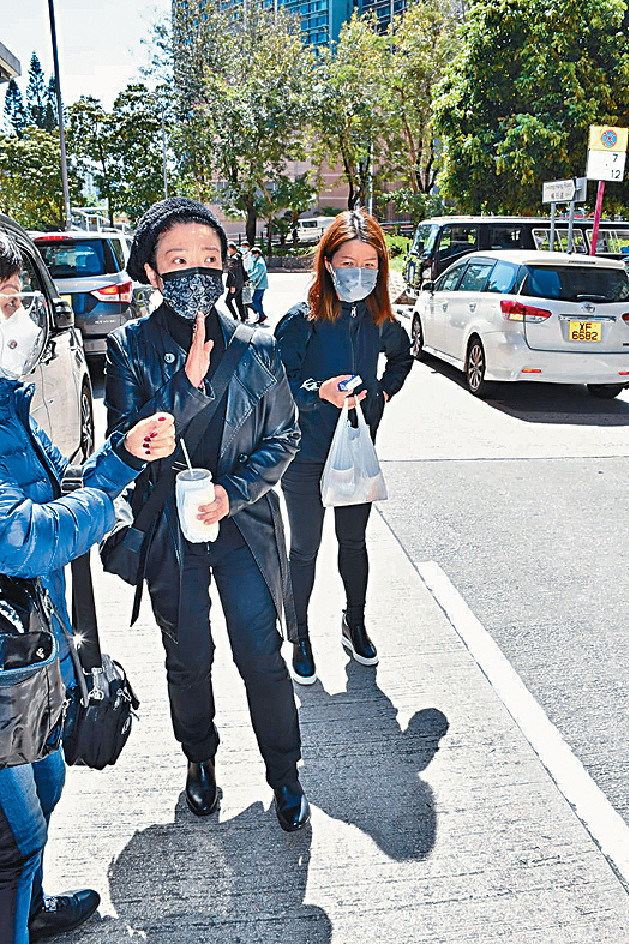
(605, 391)
(417, 336)
(475, 366)
(87, 423)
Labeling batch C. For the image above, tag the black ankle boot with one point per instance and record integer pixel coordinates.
(358, 643)
(304, 670)
(292, 807)
(201, 792)
(62, 913)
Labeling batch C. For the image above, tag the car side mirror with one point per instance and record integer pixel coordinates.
(428, 286)
(63, 316)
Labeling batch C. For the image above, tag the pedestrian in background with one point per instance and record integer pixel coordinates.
(341, 330)
(236, 278)
(171, 358)
(40, 532)
(259, 281)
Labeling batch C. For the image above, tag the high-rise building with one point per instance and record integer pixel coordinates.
(385, 10)
(320, 20)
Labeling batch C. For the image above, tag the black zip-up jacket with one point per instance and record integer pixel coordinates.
(146, 373)
(314, 351)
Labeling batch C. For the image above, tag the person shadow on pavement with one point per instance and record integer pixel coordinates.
(197, 881)
(360, 767)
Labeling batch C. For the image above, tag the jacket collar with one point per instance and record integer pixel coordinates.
(228, 326)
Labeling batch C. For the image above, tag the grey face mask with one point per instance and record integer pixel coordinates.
(353, 283)
(189, 291)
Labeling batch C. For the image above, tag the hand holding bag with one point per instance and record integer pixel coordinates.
(32, 693)
(352, 473)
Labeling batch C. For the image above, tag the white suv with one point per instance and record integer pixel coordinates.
(518, 315)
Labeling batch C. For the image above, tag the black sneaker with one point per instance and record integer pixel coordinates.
(304, 670)
(62, 913)
(358, 643)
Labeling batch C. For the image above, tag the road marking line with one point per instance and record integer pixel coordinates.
(606, 827)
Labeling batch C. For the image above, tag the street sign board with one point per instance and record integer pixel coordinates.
(608, 165)
(558, 191)
(605, 138)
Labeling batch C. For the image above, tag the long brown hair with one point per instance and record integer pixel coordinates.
(322, 297)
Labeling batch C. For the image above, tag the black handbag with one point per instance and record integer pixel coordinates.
(32, 693)
(123, 551)
(100, 713)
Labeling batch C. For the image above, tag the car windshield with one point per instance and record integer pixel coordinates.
(425, 237)
(70, 258)
(576, 283)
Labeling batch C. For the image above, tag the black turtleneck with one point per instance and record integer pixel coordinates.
(206, 454)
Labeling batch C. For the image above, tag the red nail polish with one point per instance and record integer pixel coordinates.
(161, 419)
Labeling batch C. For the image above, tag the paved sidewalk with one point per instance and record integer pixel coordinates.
(433, 819)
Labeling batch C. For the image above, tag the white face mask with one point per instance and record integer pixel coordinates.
(353, 283)
(21, 334)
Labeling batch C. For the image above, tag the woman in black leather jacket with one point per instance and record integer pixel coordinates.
(170, 358)
(342, 330)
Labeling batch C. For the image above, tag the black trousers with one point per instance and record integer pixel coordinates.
(255, 642)
(301, 488)
(234, 300)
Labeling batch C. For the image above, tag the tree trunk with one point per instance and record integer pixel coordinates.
(270, 244)
(252, 220)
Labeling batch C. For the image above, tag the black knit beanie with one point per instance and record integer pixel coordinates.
(157, 218)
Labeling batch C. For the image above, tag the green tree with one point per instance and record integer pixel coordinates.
(421, 41)
(349, 120)
(14, 108)
(51, 119)
(517, 100)
(88, 138)
(30, 179)
(242, 105)
(36, 93)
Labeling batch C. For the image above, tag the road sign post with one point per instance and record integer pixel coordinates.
(569, 191)
(607, 150)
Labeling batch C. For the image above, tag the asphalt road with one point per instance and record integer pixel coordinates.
(520, 500)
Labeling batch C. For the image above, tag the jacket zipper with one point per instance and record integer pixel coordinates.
(352, 316)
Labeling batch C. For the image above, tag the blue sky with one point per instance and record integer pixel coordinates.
(99, 42)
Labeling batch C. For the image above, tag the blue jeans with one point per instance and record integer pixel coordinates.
(256, 302)
(28, 795)
(256, 646)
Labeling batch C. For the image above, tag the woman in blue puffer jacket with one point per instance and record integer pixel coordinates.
(41, 531)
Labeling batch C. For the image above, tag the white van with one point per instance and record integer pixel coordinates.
(313, 228)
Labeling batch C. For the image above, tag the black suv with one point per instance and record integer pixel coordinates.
(62, 404)
(89, 268)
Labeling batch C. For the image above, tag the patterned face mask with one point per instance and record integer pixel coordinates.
(189, 291)
(353, 283)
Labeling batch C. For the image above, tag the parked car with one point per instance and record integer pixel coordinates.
(517, 315)
(89, 268)
(62, 404)
(440, 241)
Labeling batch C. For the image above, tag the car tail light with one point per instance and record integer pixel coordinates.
(114, 293)
(625, 318)
(58, 237)
(516, 311)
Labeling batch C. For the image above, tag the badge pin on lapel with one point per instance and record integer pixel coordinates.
(169, 358)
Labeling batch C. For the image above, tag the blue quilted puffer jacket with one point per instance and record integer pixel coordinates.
(40, 531)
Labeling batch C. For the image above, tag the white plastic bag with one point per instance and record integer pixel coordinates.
(352, 473)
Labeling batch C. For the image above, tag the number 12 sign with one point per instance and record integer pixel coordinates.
(607, 149)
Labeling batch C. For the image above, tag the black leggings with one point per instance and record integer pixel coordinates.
(301, 488)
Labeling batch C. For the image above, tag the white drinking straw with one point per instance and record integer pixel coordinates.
(185, 452)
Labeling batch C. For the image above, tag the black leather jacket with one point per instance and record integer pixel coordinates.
(145, 373)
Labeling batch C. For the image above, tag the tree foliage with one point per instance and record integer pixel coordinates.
(242, 104)
(30, 179)
(518, 98)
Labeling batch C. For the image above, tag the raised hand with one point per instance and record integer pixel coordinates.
(198, 360)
